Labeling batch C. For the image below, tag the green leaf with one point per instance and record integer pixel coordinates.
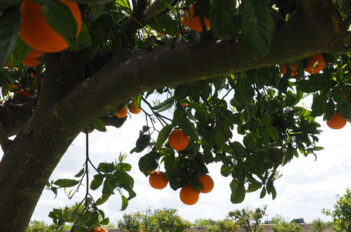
(162, 136)
(222, 18)
(253, 187)
(148, 162)
(80, 173)
(105, 221)
(238, 192)
(103, 199)
(164, 23)
(226, 170)
(99, 125)
(109, 186)
(96, 182)
(273, 132)
(165, 105)
(123, 3)
(263, 192)
(187, 127)
(96, 10)
(66, 182)
(20, 52)
(319, 104)
(54, 12)
(84, 39)
(10, 23)
(220, 135)
(106, 167)
(258, 27)
(124, 203)
(142, 142)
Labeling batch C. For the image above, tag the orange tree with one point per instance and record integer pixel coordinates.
(215, 81)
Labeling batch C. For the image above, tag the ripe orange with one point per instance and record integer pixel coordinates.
(313, 60)
(34, 54)
(30, 62)
(133, 109)
(99, 229)
(207, 183)
(189, 195)
(158, 180)
(194, 23)
(178, 140)
(293, 68)
(36, 32)
(122, 112)
(337, 121)
(185, 104)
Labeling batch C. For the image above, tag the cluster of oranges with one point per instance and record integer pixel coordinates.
(188, 194)
(316, 64)
(122, 112)
(178, 140)
(36, 32)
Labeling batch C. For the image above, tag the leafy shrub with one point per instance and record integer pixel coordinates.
(204, 222)
(318, 225)
(287, 227)
(249, 219)
(225, 225)
(39, 226)
(341, 213)
(165, 220)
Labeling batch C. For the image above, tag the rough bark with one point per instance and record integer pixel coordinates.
(68, 102)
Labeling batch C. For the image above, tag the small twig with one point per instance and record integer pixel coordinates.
(87, 166)
(230, 90)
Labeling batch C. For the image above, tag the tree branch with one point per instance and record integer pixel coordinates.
(165, 66)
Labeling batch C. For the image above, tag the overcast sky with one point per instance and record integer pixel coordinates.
(306, 187)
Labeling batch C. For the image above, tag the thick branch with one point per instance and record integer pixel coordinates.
(166, 66)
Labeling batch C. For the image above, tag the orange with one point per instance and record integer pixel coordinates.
(337, 121)
(99, 229)
(293, 68)
(37, 33)
(207, 183)
(158, 180)
(133, 109)
(34, 54)
(189, 195)
(178, 140)
(23, 92)
(313, 60)
(185, 104)
(122, 112)
(194, 23)
(31, 62)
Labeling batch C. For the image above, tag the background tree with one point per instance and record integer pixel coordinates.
(342, 212)
(318, 225)
(215, 64)
(248, 219)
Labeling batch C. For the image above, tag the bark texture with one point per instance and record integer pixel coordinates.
(69, 102)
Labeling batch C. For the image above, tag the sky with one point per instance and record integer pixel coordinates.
(305, 188)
